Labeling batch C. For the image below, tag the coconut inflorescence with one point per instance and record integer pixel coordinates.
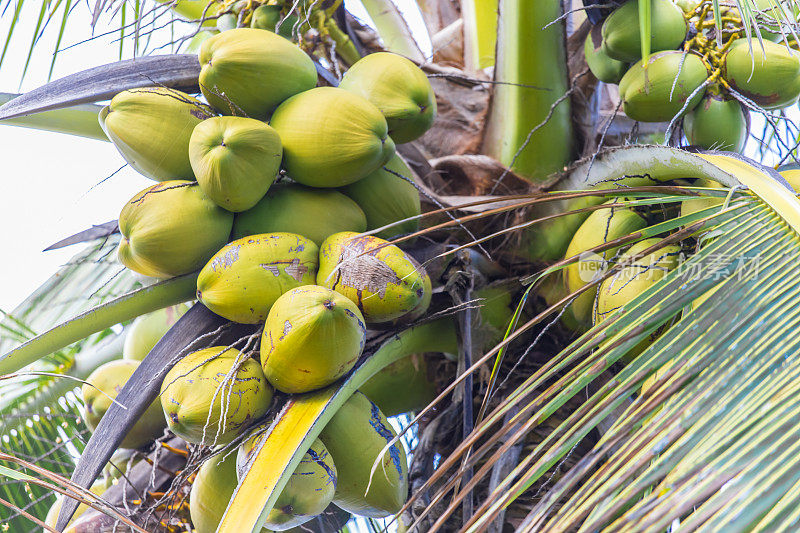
(708, 75)
(265, 192)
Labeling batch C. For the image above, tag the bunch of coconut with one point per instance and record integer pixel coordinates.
(267, 184)
(690, 74)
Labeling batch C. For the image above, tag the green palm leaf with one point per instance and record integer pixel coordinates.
(39, 410)
(712, 441)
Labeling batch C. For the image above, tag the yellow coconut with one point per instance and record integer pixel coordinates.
(331, 137)
(212, 489)
(104, 384)
(602, 226)
(243, 280)
(427, 295)
(355, 437)
(97, 488)
(631, 281)
(170, 229)
(151, 128)
(405, 385)
(792, 176)
(386, 197)
(691, 206)
(213, 394)
(295, 208)
(235, 160)
(148, 329)
(377, 276)
(309, 490)
(312, 337)
(398, 88)
(249, 72)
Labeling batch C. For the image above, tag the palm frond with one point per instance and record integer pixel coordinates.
(39, 409)
(711, 441)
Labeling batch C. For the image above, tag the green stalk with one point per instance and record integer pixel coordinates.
(480, 33)
(392, 28)
(516, 132)
(80, 120)
(126, 307)
(344, 45)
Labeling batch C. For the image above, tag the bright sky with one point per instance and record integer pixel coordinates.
(50, 180)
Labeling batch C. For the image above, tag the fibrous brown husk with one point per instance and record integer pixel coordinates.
(462, 104)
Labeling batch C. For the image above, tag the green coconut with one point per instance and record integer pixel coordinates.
(602, 226)
(717, 123)
(380, 278)
(243, 280)
(309, 490)
(770, 76)
(331, 137)
(250, 71)
(213, 394)
(355, 437)
(103, 385)
(312, 337)
(151, 128)
(621, 36)
(148, 329)
(170, 229)
(403, 386)
(604, 68)
(235, 160)
(398, 88)
(295, 208)
(268, 17)
(660, 92)
(385, 198)
(497, 308)
(212, 489)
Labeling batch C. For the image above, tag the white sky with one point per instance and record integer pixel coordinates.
(49, 179)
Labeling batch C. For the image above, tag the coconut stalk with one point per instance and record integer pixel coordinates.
(529, 127)
(480, 33)
(392, 27)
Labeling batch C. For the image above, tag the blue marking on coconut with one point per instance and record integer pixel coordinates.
(321, 462)
(386, 433)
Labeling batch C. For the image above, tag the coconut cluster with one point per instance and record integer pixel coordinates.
(693, 75)
(266, 185)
